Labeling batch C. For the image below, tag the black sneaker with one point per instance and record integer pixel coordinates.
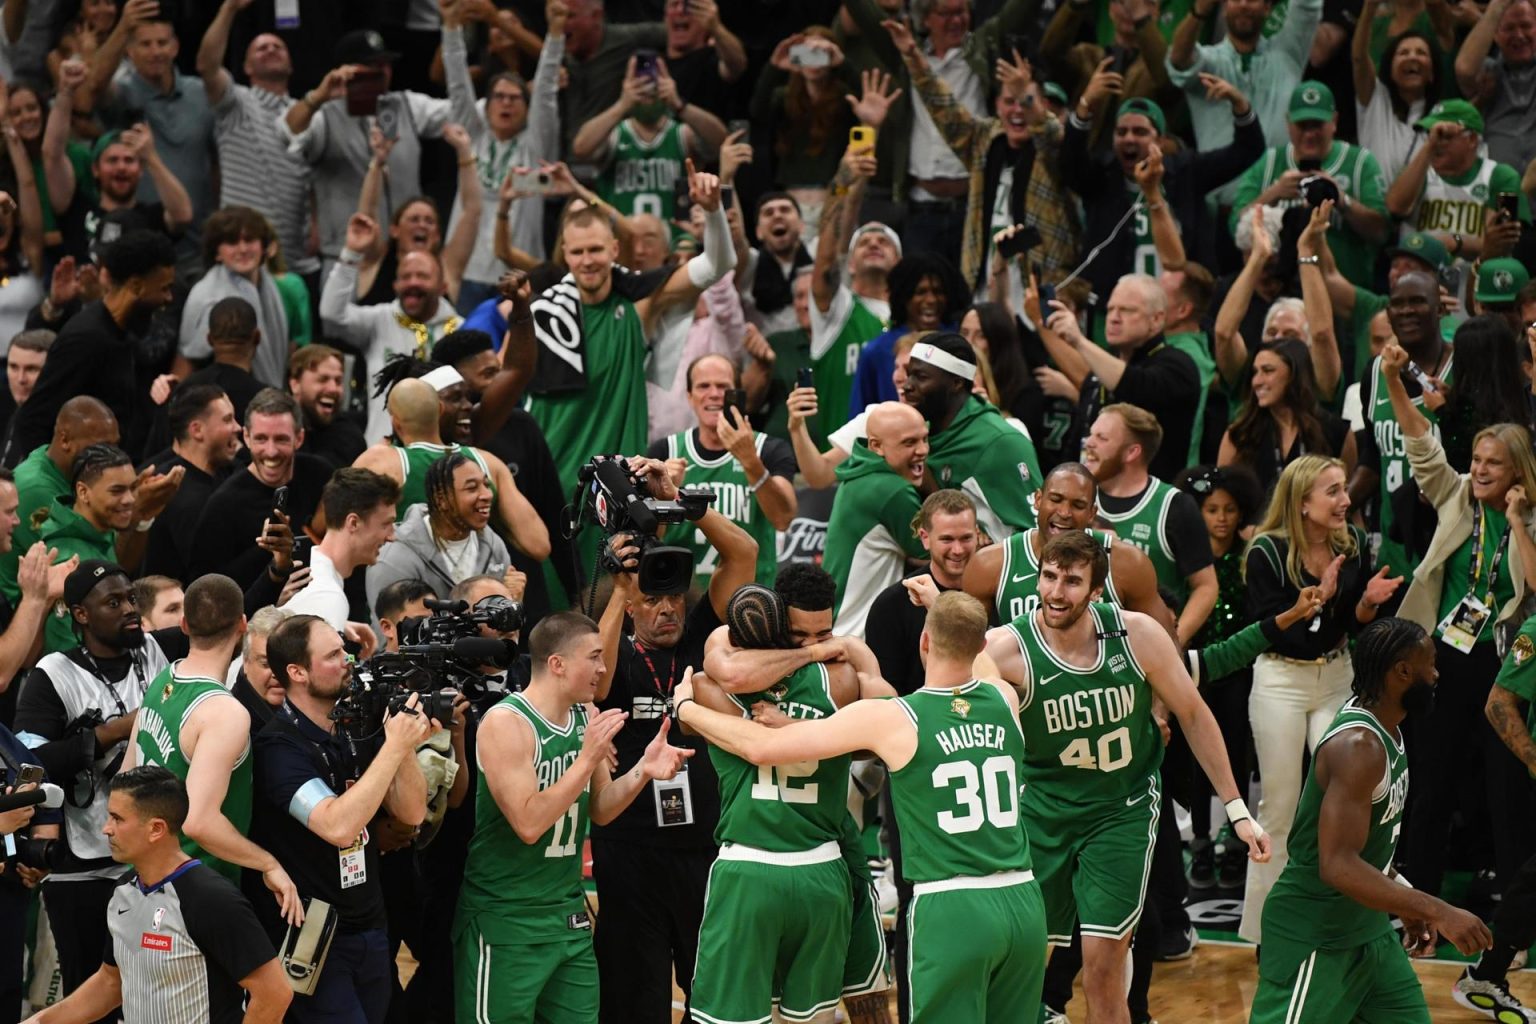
(1491, 999)
(1232, 873)
(1177, 945)
(1202, 866)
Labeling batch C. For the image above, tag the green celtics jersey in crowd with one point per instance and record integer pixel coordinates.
(1302, 909)
(1145, 526)
(415, 459)
(1377, 406)
(640, 174)
(787, 808)
(1089, 734)
(1018, 584)
(733, 499)
(520, 892)
(837, 338)
(167, 703)
(957, 800)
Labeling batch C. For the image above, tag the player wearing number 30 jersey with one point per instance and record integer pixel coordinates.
(953, 747)
(1087, 674)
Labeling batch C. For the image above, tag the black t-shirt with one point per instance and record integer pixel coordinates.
(169, 550)
(291, 752)
(337, 443)
(1186, 529)
(225, 538)
(697, 75)
(86, 226)
(642, 685)
(895, 642)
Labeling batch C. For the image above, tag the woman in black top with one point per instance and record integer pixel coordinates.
(1298, 687)
(991, 330)
(1281, 419)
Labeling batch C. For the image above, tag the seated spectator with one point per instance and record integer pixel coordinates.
(316, 378)
(1501, 84)
(805, 115)
(1393, 94)
(927, 294)
(235, 244)
(96, 351)
(241, 528)
(359, 509)
(159, 600)
(516, 125)
(642, 141)
(410, 325)
(235, 339)
(205, 441)
(448, 539)
(23, 363)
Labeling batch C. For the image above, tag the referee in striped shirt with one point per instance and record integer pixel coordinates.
(184, 940)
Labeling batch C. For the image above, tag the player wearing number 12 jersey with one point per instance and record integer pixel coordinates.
(1087, 674)
(523, 941)
(953, 747)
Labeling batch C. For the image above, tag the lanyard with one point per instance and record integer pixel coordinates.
(138, 678)
(655, 676)
(1475, 567)
(320, 748)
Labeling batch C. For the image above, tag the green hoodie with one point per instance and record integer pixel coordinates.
(69, 532)
(869, 534)
(38, 482)
(992, 462)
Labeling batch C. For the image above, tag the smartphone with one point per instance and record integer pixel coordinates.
(1119, 60)
(736, 398)
(1020, 242)
(280, 500)
(807, 55)
(1509, 205)
(30, 775)
(805, 377)
(1309, 165)
(645, 63)
(387, 117)
(1047, 291)
(535, 183)
(861, 135)
(1423, 378)
(363, 91)
(738, 125)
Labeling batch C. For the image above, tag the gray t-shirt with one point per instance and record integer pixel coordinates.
(1511, 117)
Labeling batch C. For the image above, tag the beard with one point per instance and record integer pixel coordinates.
(129, 638)
(1419, 700)
(934, 406)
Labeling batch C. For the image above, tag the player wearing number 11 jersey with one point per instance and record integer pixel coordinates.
(1087, 674)
(953, 747)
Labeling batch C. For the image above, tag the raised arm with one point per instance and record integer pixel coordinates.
(461, 242)
(519, 354)
(716, 258)
(1182, 51)
(28, 206)
(22, 640)
(332, 86)
(1363, 67)
(708, 131)
(591, 139)
(58, 169)
(173, 196)
(1165, 232)
(1394, 359)
(1403, 194)
(1474, 48)
(844, 198)
(211, 51)
(527, 530)
(1227, 339)
(1327, 365)
(733, 55)
(109, 56)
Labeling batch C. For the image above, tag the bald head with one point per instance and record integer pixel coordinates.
(899, 435)
(82, 422)
(413, 408)
(888, 419)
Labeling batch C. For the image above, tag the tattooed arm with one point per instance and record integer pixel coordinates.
(1508, 720)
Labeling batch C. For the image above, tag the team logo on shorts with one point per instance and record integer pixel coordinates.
(961, 707)
(1523, 649)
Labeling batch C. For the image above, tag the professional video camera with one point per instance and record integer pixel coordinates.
(441, 660)
(619, 501)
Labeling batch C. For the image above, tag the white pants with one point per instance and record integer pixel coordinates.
(1290, 706)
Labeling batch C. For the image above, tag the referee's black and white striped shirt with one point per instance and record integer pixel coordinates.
(182, 946)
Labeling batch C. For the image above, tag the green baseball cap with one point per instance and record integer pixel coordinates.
(1499, 281)
(1454, 112)
(1312, 101)
(1426, 247)
(1055, 93)
(102, 142)
(1147, 109)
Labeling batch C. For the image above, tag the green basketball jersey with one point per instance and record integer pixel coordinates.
(1146, 526)
(1394, 460)
(733, 499)
(1089, 735)
(836, 365)
(957, 800)
(1018, 585)
(1301, 905)
(167, 703)
(415, 459)
(609, 415)
(787, 808)
(523, 892)
(640, 174)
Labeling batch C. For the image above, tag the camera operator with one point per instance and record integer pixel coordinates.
(401, 600)
(184, 942)
(651, 867)
(76, 713)
(318, 790)
(16, 878)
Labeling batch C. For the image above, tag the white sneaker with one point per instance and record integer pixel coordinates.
(1054, 1016)
(1491, 999)
(885, 891)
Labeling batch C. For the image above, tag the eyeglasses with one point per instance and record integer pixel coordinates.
(509, 97)
(950, 13)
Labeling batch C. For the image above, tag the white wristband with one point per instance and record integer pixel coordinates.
(1237, 811)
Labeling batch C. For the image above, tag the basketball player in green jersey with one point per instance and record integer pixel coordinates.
(954, 749)
(1006, 576)
(1330, 953)
(192, 725)
(1087, 675)
(779, 663)
(522, 937)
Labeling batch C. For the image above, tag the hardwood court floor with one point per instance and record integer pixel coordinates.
(1216, 985)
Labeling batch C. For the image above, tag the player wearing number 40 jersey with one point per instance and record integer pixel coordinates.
(1087, 674)
(523, 945)
(953, 747)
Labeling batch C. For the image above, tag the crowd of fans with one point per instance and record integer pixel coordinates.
(314, 311)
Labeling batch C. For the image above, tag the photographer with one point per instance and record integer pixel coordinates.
(317, 792)
(76, 713)
(16, 878)
(651, 869)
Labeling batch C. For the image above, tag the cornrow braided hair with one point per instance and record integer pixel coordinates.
(399, 367)
(758, 618)
(95, 460)
(1381, 645)
(439, 486)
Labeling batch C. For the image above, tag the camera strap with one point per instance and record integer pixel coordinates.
(331, 767)
(656, 682)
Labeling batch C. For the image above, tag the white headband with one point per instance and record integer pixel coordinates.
(443, 378)
(875, 225)
(944, 361)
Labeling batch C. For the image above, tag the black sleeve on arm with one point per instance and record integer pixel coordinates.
(223, 924)
(40, 712)
(1214, 169)
(1353, 576)
(1269, 592)
(890, 647)
(1187, 534)
(1165, 381)
(779, 457)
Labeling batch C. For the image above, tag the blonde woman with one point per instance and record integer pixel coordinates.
(1304, 540)
(1474, 578)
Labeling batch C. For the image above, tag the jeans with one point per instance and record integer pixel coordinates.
(354, 983)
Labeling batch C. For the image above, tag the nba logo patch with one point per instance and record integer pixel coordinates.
(1116, 662)
(159, 916)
